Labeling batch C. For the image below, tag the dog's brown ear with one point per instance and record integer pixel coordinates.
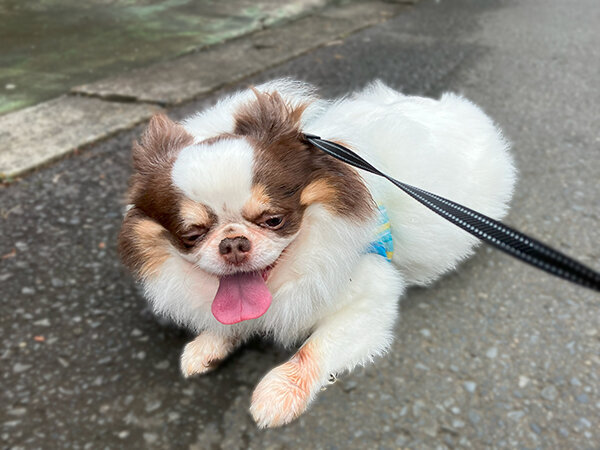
(160, 140)
(269, 119)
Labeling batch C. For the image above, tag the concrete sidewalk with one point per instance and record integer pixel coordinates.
(496, 355)
(47, 47)
(35, 136)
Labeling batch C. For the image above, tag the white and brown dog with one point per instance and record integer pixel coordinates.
(237, 226)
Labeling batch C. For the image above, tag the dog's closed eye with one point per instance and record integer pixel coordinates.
(193, 235)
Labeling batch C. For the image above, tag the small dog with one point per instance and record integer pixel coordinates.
(237, 226)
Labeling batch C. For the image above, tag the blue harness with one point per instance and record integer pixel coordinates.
(384, 245)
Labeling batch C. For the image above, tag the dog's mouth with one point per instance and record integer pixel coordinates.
(243, 296)
(267, 270)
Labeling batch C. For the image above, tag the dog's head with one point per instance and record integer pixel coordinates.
(231, 205)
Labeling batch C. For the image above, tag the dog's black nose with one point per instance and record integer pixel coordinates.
(235, 250)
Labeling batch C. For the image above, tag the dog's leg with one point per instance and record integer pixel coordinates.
(205, 353)
(353, 335)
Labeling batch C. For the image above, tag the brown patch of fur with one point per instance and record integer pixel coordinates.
(152, 193)
(319, 191)
(269, 119)
(193, 213)
(142, 244)
(286, 164)
(160, 141)
(257, 204)
(152, 190)
(220, 137)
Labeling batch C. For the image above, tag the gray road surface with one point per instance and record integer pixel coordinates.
(496, 355)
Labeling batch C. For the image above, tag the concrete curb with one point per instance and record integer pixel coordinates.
(38, 135)
(95, 111)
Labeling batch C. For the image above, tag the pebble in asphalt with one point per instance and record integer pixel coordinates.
(496, 354)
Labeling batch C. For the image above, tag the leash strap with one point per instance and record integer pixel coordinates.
(495, 233)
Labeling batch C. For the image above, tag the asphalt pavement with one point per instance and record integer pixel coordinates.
(495, 355)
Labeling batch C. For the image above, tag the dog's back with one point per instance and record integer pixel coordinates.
(447, 146)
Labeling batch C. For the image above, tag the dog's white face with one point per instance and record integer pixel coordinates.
(232, 205)
(229, 224)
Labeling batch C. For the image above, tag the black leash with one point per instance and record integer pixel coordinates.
(485, 228)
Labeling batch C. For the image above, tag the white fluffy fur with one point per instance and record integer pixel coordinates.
(343, 299)
(218, 175)
(323, 264)
(447, 146)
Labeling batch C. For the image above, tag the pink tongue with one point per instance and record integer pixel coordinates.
(242, 296)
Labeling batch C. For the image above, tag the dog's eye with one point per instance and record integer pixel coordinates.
(273, 222)
(191, 237)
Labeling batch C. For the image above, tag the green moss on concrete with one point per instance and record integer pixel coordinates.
(49, 46)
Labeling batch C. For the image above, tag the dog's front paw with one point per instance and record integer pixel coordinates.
(286, 391)
(204, 354)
